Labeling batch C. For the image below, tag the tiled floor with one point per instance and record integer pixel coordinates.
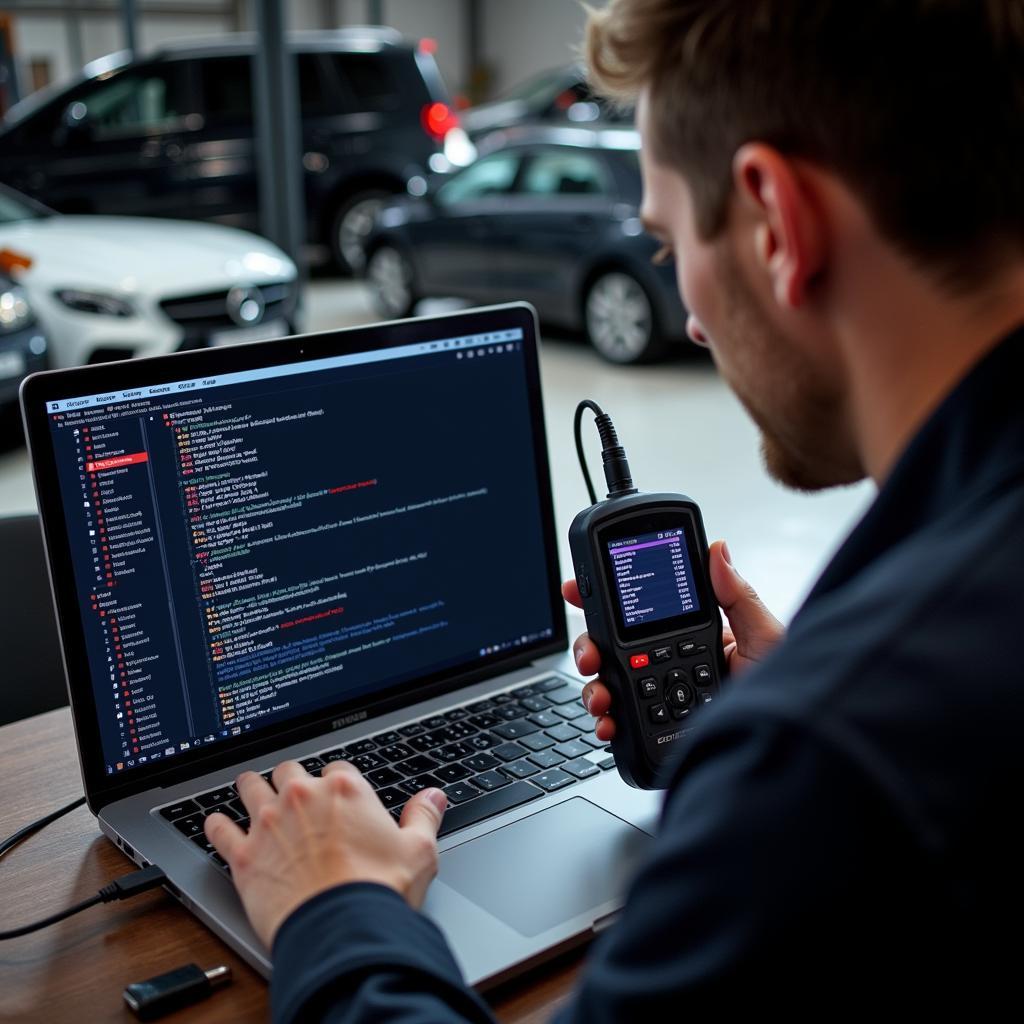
(683, 431)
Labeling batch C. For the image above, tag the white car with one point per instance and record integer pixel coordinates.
(115, 287)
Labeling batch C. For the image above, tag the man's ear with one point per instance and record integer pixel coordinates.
(789, 227)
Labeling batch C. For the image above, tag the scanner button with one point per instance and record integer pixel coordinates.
(675, 677)
(648, 687)
(661, 654)
(680, 696)
(702, 675)
(583, 582)
(690, 647)
(639, 661)
(658, 713)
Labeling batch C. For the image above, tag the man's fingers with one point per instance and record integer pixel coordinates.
(287, 770)
(597, 698)
(424, 811)
(588, 658)
(605, 729)
(571, 592)
(224, 834)
(254, 791)
(756, 630)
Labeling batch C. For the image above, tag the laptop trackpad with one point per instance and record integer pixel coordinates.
(548, 868)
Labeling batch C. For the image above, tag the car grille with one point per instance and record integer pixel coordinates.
(207, 312)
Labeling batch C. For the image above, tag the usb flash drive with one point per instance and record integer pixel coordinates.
(154, 997)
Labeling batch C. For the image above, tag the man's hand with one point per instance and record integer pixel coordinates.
(314, 834)
(751, 634)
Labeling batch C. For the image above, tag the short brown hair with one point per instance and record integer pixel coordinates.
(917, 104)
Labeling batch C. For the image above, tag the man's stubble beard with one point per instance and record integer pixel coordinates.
(797, 410)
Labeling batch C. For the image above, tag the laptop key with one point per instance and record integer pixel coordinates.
(202, 842)
(360, 747)
(395, 752)
(311, 764)
(481, 762)
(225, 809)
(216, 797)
(338, 754)
(535, 703)
(490, 780)
(502, 698)
(452, 772)
(569, 712)
(510, 712)
(385, 777)
(546, 758)
(608, 762)
(423, 743)
(573, 749)
(563, 733)
(524, 691)
(392, 796)
(434, 722)
(546, 719)
(243, 824)
(513, 730)
(454, 752)
(220, 861)
(425, 781)
(456, 714)
(416, 765)
(179, 810)
(413, 729)
(484, 721)
(553, 779)
(488, 805)
(565, 695)
(481, 705)
(509, 751)
(520, 769)
(591, 740)
(483, 741)
(581, 768)
(385, 739)
(460, 792)
(545, 685)
(367, 762)
(538, 741)
(190, 826)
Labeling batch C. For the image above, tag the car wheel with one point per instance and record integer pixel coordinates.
(620, 319)
(390, 275)
(352, 224)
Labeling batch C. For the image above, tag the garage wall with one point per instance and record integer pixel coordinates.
(523, 37)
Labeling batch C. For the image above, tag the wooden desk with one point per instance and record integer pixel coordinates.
(75, 971)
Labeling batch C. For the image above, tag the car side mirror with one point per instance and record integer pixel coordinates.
(75, 126)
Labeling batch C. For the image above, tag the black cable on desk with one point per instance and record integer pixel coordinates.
(123, 888)
(120, 889)
(23, 833)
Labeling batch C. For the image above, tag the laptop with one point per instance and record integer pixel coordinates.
(339, 545)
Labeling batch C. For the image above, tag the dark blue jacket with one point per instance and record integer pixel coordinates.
(842, 831)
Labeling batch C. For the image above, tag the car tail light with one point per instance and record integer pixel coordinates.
(11, 262)
(438, 120)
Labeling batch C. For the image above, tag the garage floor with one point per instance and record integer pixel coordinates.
(683, 431)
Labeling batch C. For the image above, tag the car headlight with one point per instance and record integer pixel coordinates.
(99, 303)
(15, 311)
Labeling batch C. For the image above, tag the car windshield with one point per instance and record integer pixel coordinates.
(13, 209)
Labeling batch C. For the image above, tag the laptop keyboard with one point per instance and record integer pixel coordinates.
(488, 756)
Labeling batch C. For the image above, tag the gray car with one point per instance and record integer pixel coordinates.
(549, 215)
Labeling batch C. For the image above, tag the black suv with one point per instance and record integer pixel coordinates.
(171, 134)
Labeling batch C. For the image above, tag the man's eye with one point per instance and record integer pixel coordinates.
(663, 256)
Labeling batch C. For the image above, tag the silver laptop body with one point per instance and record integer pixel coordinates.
(321, 545)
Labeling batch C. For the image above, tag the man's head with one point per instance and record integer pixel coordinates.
(794, 148)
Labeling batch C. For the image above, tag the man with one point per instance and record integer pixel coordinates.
(842, 185)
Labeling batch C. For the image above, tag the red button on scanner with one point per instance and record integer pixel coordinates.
(639, 660)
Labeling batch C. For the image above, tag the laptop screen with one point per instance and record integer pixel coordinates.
(249, 547)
